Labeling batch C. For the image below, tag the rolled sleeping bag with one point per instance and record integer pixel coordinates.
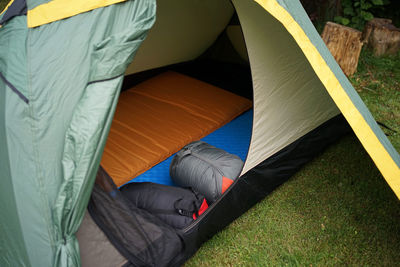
(206, 169)
(177, 207)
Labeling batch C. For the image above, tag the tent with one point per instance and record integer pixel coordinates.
(62, 65)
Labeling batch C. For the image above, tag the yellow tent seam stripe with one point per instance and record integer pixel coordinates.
(60, 9)
(7, 6)
(378, 153)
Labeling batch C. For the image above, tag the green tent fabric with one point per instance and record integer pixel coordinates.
(54, 127)
(364, 125)
(293, 18)
(61, 70)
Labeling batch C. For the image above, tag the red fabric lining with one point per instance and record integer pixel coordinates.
(226, 183)
(203, 208)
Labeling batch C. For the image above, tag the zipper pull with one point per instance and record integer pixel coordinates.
(185, 151)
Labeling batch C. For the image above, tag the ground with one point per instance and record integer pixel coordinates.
(3, 4)
(338, 210)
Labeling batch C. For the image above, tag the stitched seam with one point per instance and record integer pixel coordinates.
(39, 173)
(14, 89)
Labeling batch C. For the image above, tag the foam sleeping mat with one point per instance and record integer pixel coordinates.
(233, 137)
(156, 118)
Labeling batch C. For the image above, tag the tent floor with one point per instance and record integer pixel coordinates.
(246, 191)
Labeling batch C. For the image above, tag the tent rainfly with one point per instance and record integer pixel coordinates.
(62, 65)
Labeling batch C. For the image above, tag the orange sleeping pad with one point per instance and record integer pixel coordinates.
(158, 117)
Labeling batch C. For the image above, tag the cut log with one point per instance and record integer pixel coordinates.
(345, 45)
(382, 37)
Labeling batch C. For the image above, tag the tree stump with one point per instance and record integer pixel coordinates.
(382, 37)
(345, 45)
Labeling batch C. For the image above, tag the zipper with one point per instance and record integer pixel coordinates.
(200, 217)
(204, 214)
(176, 211)
(15, 90)
(180, 212)
(197, 221)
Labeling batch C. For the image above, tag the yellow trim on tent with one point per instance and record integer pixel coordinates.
(61, 9)
(7, 6)
(371, 143)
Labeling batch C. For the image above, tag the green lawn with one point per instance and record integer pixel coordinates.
(338, 210)
(378, 83)
(3, 4)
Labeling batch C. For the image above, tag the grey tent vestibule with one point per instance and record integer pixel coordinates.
(62, 66)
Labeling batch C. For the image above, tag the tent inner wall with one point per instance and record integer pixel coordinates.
(184, 29)
(289, 98)
(286, 106)
(274, 57)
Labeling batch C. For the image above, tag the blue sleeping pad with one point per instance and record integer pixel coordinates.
(233, 137)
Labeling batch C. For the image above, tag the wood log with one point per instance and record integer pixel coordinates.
(382, 37)
(345, 45)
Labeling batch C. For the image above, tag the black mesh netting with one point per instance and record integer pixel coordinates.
(138, 235)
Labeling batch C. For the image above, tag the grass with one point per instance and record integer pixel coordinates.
(3, 4)
(338, 210)
(378, 83)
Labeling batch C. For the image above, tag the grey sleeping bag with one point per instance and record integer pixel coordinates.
(205, 168)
